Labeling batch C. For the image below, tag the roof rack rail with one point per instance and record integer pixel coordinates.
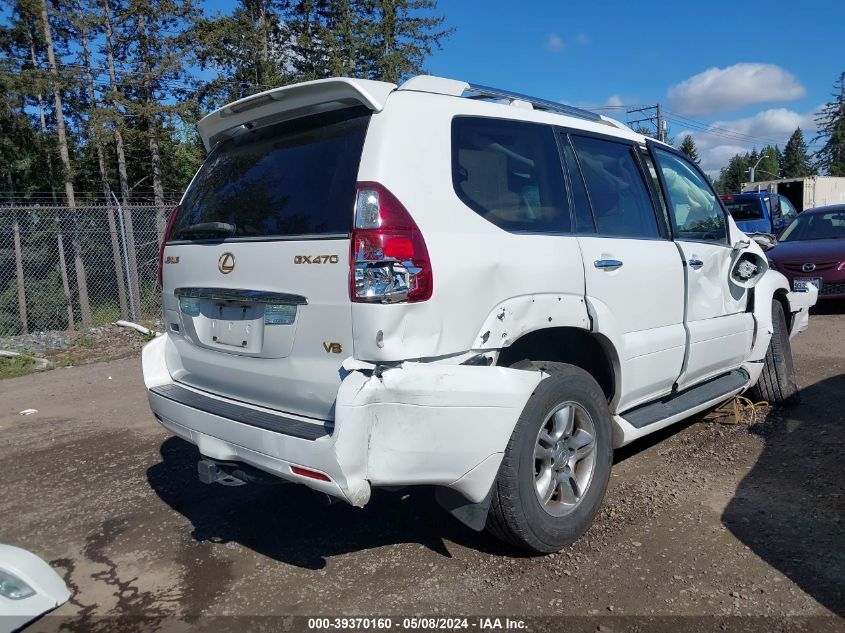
(476, 91)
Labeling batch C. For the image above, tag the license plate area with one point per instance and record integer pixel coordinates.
(245, 322)
(800, 284)
(236, 325)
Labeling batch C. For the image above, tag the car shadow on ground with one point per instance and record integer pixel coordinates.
(295, 525)
(790, 508)
(292, 524)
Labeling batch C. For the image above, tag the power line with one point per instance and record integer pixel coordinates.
(656, 118)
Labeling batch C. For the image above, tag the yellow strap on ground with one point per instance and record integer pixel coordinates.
(745, 411)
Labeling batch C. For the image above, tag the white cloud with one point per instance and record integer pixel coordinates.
(722, 89)
(614, 101)
(554, 43)
(722, 139)
(582, 39)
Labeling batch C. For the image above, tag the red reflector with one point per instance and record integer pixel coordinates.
(311, 474)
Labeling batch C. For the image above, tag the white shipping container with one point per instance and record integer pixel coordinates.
(804, 193)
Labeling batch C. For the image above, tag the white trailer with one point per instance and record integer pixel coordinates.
(804, 193)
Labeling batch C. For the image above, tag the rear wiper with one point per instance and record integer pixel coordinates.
(205, 228)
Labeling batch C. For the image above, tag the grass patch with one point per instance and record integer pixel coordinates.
(16, 366)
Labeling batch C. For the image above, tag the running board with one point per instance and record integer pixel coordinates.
(677, 403)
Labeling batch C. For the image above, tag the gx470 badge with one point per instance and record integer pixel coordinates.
(316, 259)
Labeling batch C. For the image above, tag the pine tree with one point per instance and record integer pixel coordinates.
(154, 42)
(688, 147)
(796, 160)
(247, 49)
(64, 154)
(403, 34)
(831, 124)
(734, 174)
(769, 168)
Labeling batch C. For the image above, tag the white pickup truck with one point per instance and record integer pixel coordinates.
(369, 285)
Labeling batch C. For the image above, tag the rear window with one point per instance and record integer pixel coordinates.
(510, 174)
(293, 178)
(749, 209)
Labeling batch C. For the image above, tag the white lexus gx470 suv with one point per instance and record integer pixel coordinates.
(451, 285)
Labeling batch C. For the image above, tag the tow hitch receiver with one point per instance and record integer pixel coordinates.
(211, 471)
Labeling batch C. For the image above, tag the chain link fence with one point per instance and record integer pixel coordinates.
(64, 268)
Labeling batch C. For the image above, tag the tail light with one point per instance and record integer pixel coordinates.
(388, 258)
(167, 232)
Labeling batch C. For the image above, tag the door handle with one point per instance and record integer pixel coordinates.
(607, 263)
(695, 263)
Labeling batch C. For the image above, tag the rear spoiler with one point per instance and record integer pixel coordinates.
(291, 101)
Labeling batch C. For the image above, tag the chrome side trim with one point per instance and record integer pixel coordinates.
(239, 294)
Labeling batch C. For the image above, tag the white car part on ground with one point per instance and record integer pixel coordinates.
(28, 588)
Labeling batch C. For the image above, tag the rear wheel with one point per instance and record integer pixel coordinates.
(776, 384)
(557, 464)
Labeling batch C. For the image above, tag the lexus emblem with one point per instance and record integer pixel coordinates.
(226, 263)
(808, 268)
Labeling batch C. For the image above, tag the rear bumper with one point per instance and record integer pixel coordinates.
(417, 424)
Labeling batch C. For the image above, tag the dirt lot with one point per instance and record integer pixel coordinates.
(714, 520)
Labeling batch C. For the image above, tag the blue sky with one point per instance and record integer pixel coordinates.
(772, 66)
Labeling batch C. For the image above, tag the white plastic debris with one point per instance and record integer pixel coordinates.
(29, 411)
(139, 328)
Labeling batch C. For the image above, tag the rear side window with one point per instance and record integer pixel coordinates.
(293, 178)
(621, 203)
(510, 174)
(744, 209)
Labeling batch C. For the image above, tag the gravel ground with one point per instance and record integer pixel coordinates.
(706, 519)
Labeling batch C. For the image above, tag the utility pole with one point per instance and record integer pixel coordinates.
(655, 117)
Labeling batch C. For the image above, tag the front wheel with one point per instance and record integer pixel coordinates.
(776, 384)
(557, 463)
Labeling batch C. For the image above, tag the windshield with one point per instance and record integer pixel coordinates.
(748, 209)
(815, 226)
(294, 178)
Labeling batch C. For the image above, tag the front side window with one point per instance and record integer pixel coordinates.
(694, 206)
(510, 174)
(621, 202)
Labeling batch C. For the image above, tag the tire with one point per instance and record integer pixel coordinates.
(776, 384)
(535, 461)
